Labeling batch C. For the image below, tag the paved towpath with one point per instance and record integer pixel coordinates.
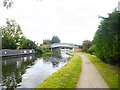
(90, 77)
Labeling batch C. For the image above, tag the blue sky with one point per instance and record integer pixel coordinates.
(71, 20)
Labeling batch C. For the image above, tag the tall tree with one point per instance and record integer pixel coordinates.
(11, 35)
(55, 39)
(107, 38)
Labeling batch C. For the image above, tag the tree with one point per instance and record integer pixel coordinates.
(29, 44)
(11, 35)
(55, 39)
(47, 41)
(107, 38)
(86, 45)
(13, 38)
(22, 42)
(8, 43)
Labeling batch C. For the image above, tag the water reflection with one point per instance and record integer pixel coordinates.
(29, 71)
(13, 69)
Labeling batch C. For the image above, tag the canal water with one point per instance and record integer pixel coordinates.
(29, 71)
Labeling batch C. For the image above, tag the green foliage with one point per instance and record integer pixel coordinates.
(55, 39)
(86, 45)
(47, 41)
(46, 50)
(29, 44)
(8, 43)
(11, 35)
(66, 77)
(91, 50)
(107, 38)
(38, 50)
(109, 72)
(13, 38)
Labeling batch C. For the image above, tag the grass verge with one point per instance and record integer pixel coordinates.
(109, 72)
(66, 77)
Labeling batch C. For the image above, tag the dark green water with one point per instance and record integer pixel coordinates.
(29, 71)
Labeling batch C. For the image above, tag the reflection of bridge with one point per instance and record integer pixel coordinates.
(67, 46)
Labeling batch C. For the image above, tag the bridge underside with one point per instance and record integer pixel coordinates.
(63, 48)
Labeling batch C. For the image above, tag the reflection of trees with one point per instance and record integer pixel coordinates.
(54, 58)
(56, 55)
(14, 68)
(13, 71)
(45, 57)
(55, 63)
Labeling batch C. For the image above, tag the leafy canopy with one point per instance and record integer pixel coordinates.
(107, 38)
(55, 39)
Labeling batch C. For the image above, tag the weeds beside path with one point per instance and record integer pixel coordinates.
(110, 73)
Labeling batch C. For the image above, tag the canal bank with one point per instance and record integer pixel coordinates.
(66, 77)
(29, 71)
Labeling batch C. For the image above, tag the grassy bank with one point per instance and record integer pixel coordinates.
(66, 77)
(109, 72)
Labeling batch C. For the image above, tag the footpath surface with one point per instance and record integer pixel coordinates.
(90, 77)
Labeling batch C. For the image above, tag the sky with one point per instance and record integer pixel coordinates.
(73, 21)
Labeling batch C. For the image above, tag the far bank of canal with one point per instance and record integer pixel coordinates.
(29, 71)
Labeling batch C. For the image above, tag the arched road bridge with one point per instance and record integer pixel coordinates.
(68, 46)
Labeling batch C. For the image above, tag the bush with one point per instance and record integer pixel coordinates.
(91, 50)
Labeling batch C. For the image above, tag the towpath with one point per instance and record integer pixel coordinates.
(90, 76)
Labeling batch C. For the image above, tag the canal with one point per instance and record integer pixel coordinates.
(31, 70)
